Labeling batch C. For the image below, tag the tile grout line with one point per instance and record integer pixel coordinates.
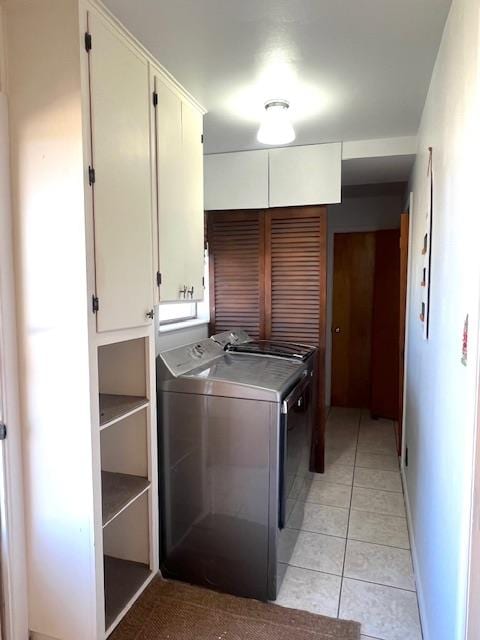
(361, 486)
(379, 584)
(336, 575)
(317, 533)
(379, 513)
(348, 522)
(380, 544)
(331, 535)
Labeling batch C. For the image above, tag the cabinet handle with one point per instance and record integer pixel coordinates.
(190, 292)
(149, 314)
(183, 292)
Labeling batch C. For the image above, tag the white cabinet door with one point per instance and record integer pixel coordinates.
(171, 216)
(236, 180)
(119, 85)
(192, 131)
(305, 175)
(179, 129)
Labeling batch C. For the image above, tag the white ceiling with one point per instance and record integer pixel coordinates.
(352, 69)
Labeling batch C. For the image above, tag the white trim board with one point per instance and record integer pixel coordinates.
(416, 566)
(472, 615)
(14, 576)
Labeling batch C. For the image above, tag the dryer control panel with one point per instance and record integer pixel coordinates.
(184, 359)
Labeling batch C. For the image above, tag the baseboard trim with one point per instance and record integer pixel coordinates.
(416, 567)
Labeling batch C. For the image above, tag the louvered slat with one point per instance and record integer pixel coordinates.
(295, 251)
(236, 242)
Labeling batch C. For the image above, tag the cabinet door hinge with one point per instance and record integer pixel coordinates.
(155, 98)
(159, 278)
(203, 282)
(95, 304)
(88, 41)
(3, 431)
(406, 456)
(91, 176)
(201, 138)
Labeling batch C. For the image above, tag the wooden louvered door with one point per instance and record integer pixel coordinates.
(268, 276)
(295, 291)
(237, 283)
(295, 273)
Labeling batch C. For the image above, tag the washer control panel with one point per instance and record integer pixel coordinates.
(184, 359)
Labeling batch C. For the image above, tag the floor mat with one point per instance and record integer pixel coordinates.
(177, 611)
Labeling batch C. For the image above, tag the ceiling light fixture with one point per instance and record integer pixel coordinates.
(276, 127)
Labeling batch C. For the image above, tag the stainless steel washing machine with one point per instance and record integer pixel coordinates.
(227, 424)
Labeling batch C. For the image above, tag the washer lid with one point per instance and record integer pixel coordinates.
(264, 377)
(273, 348)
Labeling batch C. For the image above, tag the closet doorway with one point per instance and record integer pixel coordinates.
(366, 322)
(353, 270)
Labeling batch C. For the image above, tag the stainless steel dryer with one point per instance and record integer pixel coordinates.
(223, 451)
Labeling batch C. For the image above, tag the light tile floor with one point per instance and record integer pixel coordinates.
(346, 551)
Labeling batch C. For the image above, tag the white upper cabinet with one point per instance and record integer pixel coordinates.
(122, 203)
(236, 180)
(305, 175)
(282, 177)
(179, 174)
(169, 189)
(192, 131)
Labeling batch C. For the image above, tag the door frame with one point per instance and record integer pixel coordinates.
(12, 539)
(404, 278)
(407, 209)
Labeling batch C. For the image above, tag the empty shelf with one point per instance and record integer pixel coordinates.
(113, 407)
(123, 578)
(118, 490)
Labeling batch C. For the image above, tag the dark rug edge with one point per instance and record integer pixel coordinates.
(136, 619)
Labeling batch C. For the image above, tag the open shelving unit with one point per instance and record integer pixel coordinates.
(116, 407)
(126, 547)
(125, 423)
(119, 490)
(122, 577)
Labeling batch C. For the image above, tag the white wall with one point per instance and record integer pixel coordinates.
(440, 398)
(171, 339)
(361, 213)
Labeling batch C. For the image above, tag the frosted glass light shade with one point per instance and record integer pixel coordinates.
(276, 127)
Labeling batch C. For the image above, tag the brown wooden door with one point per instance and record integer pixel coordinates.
(237, 276)
(295, 292)
(353, 278)
(385, 326)
(404, 230)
